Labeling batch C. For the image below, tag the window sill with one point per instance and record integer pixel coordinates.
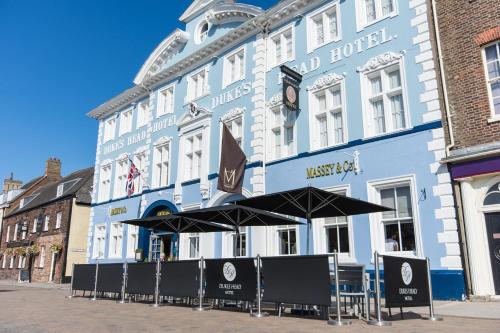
(311, 49)
(366, 25)
(494, 119)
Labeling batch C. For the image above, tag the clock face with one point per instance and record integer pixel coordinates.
(290, 94)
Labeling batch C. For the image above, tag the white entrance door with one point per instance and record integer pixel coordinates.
(52, 267)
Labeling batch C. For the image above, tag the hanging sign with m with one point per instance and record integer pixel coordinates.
(232, 164)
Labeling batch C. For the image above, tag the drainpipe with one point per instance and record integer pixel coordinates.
(443, 78)
(265, 32)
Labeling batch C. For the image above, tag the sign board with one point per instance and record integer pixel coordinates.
(291, 82)
(24, 275)
(232, 279)
(405, 282)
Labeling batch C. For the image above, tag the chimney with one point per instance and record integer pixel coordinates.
(53, 169)
(11, 184)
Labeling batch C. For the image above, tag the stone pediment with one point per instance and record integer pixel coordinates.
(160, 56)
(193, 114)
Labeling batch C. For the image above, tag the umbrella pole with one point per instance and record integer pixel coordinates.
(235, 242)
(307, 235)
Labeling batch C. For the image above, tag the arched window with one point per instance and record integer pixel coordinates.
(493, 195)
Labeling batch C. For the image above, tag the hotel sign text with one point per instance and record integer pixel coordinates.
(330, 169)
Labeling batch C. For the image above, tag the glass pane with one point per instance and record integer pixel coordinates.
(321, 98)
(378, 116)
(376, 85)
(338, 124)
(293, 242)
(277, 143)
(370, 10)
(394, 79)
(323, 132)
(332, 18)
(387, 199)
(289, 50)
(387, 7)
(336, 98)
(391, 237)
(318, 25)
(398, 116)
(404, 201)
(492, 199)
(496, 106)
(408, 236)
(491, 53)
(493, 70)
(344, 239)
(332, 241)
(277, 49)
(495, 89)
(283, 241)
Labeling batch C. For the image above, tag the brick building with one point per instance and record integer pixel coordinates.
(44, 232)
(468, 40)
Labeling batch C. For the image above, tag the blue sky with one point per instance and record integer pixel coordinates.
(60, 59)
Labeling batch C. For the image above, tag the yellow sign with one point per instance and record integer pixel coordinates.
(330, 169)
(117, 211)
(163, 212)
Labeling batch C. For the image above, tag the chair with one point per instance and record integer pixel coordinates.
(352, 284)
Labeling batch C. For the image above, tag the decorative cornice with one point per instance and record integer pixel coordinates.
(163, 52)
(231, 12)
(233, 113)
(380, 61)
(326, 81)
(276, 100)
(272, 17)
(189, 117)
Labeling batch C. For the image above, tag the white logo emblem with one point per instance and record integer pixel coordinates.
(229, 271)
(406, 273)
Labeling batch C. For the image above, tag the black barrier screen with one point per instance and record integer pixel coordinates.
(405, 282)
(297, 280)
(84, 277)
(110, 277)
(180, 278)
(141, 278)
(234, 279)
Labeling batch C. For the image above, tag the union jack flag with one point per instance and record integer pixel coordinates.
(132, 175)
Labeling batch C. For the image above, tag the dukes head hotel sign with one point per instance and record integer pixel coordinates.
(356, 79)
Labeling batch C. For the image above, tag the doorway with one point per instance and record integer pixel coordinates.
(493, 234)
(53, 267)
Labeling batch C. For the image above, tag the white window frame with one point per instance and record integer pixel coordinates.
(16, 228)
(333, 82)
(282, 124)
(11, 263)
(58, 220)
(240, 65)
(60, 190)
(361, 15)
(377, 233)
(99, 235)
(319, 227)
(143, 113)
(46, 223)
(158, 151)
(368, 125)
(109, 129)
(197, 152)
(115, 240)
(140, 163)
(132, 240)
(35, 221)
(41, 258)
(228, 242)
(494, 117)
(297, 237)
(229, 121)
(7, 237)
(126, 120)
(311, 28)
(122, 166)
(164, 106)
(188, 241)
(105, 182)
(192, 91)
(271, 47)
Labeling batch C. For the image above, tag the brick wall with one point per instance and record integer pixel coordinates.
(463, 27)
(42, 238)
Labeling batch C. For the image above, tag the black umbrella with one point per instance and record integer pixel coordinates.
(309, 203)
(177, 224)
(238, 216)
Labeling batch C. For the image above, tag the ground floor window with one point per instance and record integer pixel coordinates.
(337, 234)
(241, 243)
(41, 259)
(155, 248)
(194, 245)
(132, 240)
(287, 240)
(99, 241)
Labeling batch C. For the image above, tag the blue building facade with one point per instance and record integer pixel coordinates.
(368, 126)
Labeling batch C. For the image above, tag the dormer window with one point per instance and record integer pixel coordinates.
(202, 32)
(60, 189)
(21, 203)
